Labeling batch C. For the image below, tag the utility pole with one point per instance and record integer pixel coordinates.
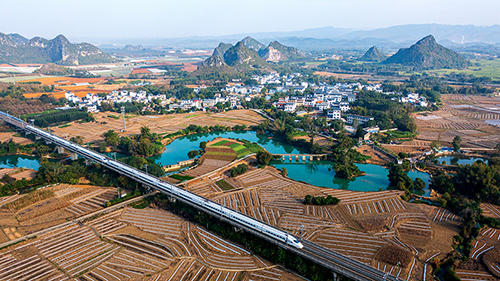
(123, 115)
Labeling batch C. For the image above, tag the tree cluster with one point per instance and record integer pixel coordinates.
(144, 144)
(320, 200)
(60, 117)
(238, 170)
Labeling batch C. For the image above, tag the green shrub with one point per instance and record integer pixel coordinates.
(238, 170)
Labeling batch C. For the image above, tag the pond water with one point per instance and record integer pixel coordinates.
(321, 173)
(19, 161)
(455, 160)
(315, 172)
(177, 150)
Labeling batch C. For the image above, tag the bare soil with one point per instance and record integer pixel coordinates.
(159, 124)
(462, 116)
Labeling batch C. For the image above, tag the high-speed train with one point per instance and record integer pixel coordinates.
(160, 185)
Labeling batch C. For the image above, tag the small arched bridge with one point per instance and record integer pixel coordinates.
(300, 157)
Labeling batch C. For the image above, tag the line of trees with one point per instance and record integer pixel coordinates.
(59, 117)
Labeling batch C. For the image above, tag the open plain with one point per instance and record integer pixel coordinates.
(160, 124)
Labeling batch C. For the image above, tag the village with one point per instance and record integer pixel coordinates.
(331, 101)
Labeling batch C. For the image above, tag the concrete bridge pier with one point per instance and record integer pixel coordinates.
(87, 162)
(311, 158)
(60, 149)
(48, 142)
(283, 158)
(335, 276)
(297, 158)
(37, 137)
(74, 156)
(303, 158)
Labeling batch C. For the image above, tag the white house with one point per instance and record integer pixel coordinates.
(333, 113)
(290, 107)
(361, 119)
(344, 106)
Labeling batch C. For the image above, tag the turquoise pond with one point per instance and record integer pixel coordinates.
(321, 173)
(315, 173)
(455, 160)
(19, 161)
(178, 149)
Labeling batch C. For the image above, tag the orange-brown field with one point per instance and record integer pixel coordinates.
(157, 123)
(8, 136)
(464, 116)
(60, 81)
(132, 244)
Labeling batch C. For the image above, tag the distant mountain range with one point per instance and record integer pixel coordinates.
(387, 39)
(15, 48)
(248, 54)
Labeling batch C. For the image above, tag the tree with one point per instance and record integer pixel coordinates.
(456, 143)
(398, 178)
(418, 184)
(284, 172)
(359, 132)
(193, 153)
(238, 170)
(434, 145)
(102, 147)
(264, 157)
(111, 138)
(77, 140)
(145, 148)
(203, 144)
(146, 133)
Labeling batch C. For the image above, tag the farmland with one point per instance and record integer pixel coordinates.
(131, 244)
(363, 226)
(159, 124)
(28, 213)
(473, 118)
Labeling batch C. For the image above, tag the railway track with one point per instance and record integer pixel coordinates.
(334, 261)
(345, 266)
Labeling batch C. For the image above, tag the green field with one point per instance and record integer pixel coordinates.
(220, 143)
(240, 149)
(14, 79)
(181, 177)
(224, 185)
(488, 68)
(219, 153)
(43, 113)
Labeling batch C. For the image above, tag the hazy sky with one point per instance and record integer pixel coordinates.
(167, 18)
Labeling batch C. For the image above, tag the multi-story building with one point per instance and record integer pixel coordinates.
(333, 113)
(361, 119)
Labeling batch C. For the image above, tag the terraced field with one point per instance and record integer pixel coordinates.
(132, 244)
(64, 202)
